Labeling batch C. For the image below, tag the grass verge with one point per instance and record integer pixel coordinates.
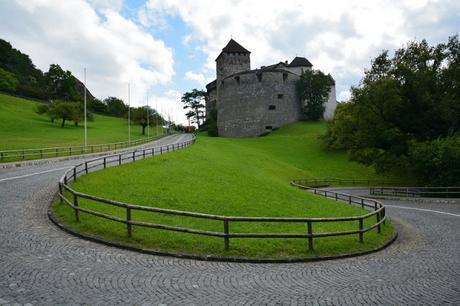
(234, 177)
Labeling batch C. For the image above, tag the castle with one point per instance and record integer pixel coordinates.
(254, 102)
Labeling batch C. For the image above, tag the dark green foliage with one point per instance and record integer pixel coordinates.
(194, 102)
(313, 89)
(8, 81)
(139, 115)
(61, 84)
(438, 160)
(116, 107)
(210, 125)
(97, 106)
(64, 110)
(404, 112)
(31, 82)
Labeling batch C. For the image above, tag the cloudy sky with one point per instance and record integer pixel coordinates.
(166, 47)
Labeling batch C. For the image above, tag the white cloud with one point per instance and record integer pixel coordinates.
(196, 77)
(73, 34)
(338, 37)
(169, 106)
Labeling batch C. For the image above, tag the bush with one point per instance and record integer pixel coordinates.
(8, 81)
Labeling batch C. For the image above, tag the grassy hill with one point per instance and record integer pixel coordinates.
(21, 127)
(225, 176)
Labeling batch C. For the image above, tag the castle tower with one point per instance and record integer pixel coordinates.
(233, 58)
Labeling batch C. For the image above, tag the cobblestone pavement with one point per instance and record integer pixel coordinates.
(41, 265)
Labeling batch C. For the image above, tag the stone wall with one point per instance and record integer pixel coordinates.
(254, 102)
(231, 63)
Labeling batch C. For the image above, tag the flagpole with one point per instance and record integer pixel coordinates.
(129, 114)
(84, 95)
(148, 115)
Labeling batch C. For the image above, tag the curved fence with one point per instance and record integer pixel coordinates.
(71, 197)
(26, 154)
(430, 192)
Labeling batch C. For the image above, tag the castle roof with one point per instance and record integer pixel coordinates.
(233, 47)
(300, 62)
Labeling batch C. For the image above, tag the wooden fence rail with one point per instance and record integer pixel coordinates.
(71, 197)
(432, 192)
(23, 154)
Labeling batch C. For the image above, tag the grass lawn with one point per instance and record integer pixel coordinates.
(22, 128)
(234, 177)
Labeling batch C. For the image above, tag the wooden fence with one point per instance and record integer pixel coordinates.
(26, 154)
(431, 192)
(71, 197)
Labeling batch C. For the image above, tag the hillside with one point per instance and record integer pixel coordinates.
(21, 127)
(233, 177)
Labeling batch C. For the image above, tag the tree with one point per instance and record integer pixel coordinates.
(63, 110)
(8, 81)
(313, 89)
(405, 115)
(61, 84)
(116, 107)
(194, 102)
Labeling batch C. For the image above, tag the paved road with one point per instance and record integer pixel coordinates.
(41, 265)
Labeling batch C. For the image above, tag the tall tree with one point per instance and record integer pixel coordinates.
(61, 84)
(140, 115)
(116, 107)
(194, 102)
(313, 89)
(406, 113)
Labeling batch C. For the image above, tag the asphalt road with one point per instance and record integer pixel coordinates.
(41, 265)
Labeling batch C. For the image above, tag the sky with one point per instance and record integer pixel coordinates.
(164, 48)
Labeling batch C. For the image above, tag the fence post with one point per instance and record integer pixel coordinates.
(128, 219)
(74, 174)
(23, 154)
(378, 220)
(349, 199)
(362, 203)
(86, 167)
(75, 205)
(1, 156)
(310, 233)
(161, 150)
(226, 238)
(105, 163)
(41, 153)
(119, 159)
(134, 156)
(383, 215)
(336, 196)
(70, 151)
(60, 192)
(361, 234)
(143, 153)
(153, 151)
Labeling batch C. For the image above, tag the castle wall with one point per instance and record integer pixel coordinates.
(211, 100)
(250, 107)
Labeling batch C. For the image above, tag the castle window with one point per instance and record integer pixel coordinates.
(268, 127)
(259, 77)
(285, 76)
(272, 107)
(237, 78)
(280, 96)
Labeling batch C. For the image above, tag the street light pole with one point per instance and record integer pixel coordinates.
(129, 114)
(84, 107)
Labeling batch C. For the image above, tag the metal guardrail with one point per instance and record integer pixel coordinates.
(430, 192)
(25, 154)
(376, 207)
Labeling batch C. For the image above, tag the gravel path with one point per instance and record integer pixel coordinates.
(41, 265)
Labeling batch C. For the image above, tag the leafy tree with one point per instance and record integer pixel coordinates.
(97, 106)
(405, 112)
(194, 102)
(63, 110)
(8, 81)
(313, 89)
(116, 107)
(61, 84)
(140, 114)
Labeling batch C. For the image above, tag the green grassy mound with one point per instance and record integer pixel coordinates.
(22, 128)
(233, 177)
